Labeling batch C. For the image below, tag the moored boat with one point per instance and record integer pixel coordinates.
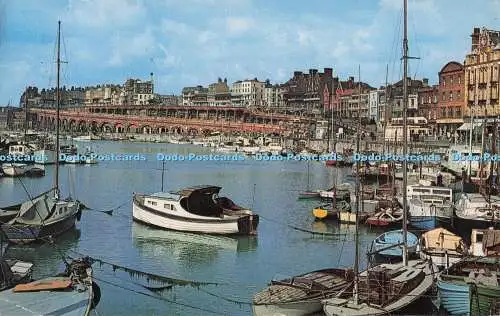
(14, 169)
(194, 209)
(458, 286)
(390, 244)
(386, 217)
(442, 247)
(309, 195)
(485, 242)
(473, 210)
(427, 214)
(384, 289)
(302, 294)
(73, 293)
(14, 272)
(44, 216)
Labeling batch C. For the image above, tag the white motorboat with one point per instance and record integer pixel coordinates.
(474, 211)
(14, 169)
(83, 138)
(196, 209)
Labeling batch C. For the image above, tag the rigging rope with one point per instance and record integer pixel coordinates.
(161, 298)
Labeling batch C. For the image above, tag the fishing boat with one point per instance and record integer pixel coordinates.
(473, 210)
(386, 217)
(47, 215)
(442, 247)
(429, 206)
(72, 293)
(470, 286)
(194, 209)
(14, 169)
(429, 213)
(302, 294)
(390, 244)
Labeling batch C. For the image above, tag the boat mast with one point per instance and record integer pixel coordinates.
(333, 132)
(405, 131)
(58, 101)
(358, 196)
(26, 117)
(386, 114)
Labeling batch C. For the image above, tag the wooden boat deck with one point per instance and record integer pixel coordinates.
(302, 287)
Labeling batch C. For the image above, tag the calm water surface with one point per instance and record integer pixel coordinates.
(242, 265)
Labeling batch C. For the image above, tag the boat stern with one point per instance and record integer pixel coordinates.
(247, 225)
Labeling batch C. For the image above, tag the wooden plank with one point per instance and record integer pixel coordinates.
(43, 285)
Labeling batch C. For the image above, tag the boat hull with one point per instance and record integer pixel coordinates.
(309, 195)
(424, 222)
(14, 170)
(23, 234)
(441, 259)
(300, 308)
(482, 299)
(454, 297)
(465, 224)
(245, 225)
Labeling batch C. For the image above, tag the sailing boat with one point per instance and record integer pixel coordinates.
(47, 215)
(387, 288)
(309, 194)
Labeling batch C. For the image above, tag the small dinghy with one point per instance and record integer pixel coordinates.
(443, 247)
(302, 294)
(329, 211)
(309, 195)
(390, 244)
(386, 217)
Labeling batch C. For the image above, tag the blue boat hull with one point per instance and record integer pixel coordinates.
(382, 245)
(454, 297)
(424, 222)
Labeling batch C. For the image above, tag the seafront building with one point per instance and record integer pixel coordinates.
(462, 90)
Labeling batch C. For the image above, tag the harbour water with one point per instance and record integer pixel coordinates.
(241, 266)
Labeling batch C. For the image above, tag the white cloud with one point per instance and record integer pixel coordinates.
(238, 25)
(105, 13)
(20, 75)
(127, 47)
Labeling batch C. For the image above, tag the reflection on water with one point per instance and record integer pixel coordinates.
(181, 246)
(47, 258)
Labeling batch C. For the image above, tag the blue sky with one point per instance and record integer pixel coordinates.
(191, 42)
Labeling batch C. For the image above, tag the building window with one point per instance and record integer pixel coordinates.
(443, 113)
(451, 79)
(451, 95)
(459, 94)
(458, 113)
(444, 97)
(444, 82)
(459, 79)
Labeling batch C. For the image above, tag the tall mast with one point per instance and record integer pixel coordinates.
(358, 197)
(405, 131)
(26, 116)
(386, 114)
(58, 101)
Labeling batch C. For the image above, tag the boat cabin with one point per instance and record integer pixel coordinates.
(200, 200)
(19, 150)
(429, 193)
(485, 242)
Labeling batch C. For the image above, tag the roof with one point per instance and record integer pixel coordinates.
(211, 189)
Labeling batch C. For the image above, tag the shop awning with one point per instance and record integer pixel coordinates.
(467, 126)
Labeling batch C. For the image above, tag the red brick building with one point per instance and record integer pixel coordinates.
(451, 104)
(428, 103)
